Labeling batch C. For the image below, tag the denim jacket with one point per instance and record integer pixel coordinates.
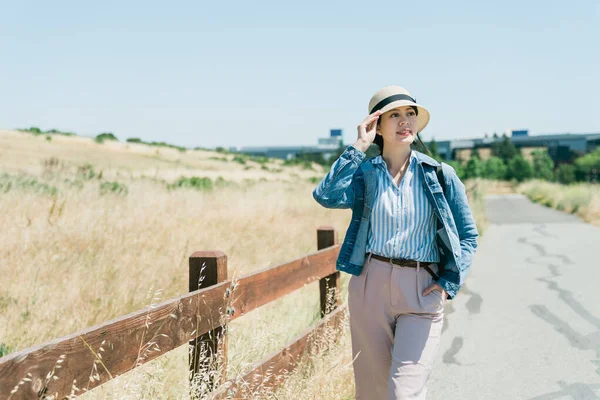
(351, 183)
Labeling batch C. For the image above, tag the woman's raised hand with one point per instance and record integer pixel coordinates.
(367, 131)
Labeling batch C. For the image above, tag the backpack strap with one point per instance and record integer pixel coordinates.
(440, 176)
(439, 171)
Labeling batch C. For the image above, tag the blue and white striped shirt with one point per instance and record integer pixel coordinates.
(402, 223)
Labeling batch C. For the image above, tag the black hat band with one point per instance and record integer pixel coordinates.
(391, 99)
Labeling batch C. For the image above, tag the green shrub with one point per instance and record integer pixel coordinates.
(543, 166)
(113, 187)
(474, 168)
(239, 159)
(588, 166)
(48, 138)
(547, 201)
(495, 168)
(565, 174)
(163, 144)
(86, 172)
(519, 169)
(105, 136)
(158, 144)
(194, 182)
(5, 350)
(314, 179)
(9, 182)
(37, 131)
(34, 129)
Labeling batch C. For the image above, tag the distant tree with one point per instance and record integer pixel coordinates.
(519, 169)
(105, 136)
(565, 174)
(474, 168)
(504, 149)
(312, 157)
(475, 153)
(588, 166)
(495, 135)
(134, 140)
(543, 166)
(495, 168)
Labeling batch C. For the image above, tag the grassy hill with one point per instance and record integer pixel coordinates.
(22, 152)
(92, 231)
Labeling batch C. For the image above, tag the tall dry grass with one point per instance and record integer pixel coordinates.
(75, 255)
(582, 199)
(78, 257)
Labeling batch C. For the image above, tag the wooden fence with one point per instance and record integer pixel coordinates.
(73, 364)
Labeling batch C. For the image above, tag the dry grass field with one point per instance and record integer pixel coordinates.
(92, 231)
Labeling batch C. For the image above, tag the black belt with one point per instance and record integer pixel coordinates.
(402, 262)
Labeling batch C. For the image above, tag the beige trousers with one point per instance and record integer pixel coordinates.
(395, 330)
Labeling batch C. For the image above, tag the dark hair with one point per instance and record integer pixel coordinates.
(418, 143)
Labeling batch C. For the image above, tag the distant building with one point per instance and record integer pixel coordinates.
(561, 147)
(327, 145)
(524, 132)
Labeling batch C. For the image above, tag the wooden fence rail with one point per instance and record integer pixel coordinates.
(73, 364)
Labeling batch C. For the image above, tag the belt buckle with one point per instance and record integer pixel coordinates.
(399, 265)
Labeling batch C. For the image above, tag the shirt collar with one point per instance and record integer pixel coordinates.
(379, 159)
(420, 158)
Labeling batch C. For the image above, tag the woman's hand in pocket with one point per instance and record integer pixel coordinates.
(437, 287)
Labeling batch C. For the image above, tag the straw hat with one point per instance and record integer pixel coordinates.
(395, 96)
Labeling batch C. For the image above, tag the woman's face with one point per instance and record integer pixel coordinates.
(398, 125)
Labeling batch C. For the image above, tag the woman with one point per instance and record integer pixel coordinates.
(403, 267)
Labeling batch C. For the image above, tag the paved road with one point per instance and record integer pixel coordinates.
(526, 325)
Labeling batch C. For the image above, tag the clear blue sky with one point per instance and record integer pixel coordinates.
(226, 73)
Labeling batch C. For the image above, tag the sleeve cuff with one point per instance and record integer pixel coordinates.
(355, 153)
(450, 287)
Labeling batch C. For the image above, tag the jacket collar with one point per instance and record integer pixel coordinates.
(421, 159)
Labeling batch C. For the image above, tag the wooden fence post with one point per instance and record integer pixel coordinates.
(329, 286)
(209, 351)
